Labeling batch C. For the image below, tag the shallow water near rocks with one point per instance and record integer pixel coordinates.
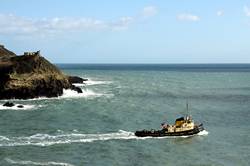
(96, 128)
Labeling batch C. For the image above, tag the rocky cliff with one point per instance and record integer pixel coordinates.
(30, 76)
(5, 52)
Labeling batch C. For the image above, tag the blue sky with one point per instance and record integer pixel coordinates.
(162, 31)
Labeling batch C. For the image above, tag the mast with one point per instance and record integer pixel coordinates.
(187, 108)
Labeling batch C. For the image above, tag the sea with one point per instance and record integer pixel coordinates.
(96, 128)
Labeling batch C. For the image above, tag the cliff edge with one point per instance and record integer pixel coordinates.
(30, 76)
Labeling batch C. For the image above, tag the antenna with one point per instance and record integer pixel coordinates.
(187, 108)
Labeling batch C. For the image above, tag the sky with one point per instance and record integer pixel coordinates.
(143, 31)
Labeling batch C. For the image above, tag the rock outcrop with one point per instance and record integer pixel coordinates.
(5, 52)
(76, 79)
(8, 104)
(30, 76)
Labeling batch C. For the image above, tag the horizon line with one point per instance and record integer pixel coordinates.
(153, 63)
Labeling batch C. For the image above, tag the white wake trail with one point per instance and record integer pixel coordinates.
(48, 140)
(22, 162)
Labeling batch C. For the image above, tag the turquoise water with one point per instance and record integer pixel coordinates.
(96, 128)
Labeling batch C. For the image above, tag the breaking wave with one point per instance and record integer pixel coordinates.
(22, 162)
(67, 93)
(92, 82)
(48, 140)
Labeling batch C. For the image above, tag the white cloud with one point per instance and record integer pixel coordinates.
(247, 11)
(149, 11)
(188, 17)
(12, 24)
(220, 13)
(122, 23)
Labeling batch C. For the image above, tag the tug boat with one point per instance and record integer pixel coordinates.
(183, 126)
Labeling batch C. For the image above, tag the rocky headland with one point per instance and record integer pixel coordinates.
(31, 75)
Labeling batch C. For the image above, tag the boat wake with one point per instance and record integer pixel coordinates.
(68, 138)
(47, 140)
(22, 162)
(204, 132)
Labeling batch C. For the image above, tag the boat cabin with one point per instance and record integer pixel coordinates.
(181, 124)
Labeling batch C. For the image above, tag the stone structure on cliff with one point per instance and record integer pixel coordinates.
(30, 76)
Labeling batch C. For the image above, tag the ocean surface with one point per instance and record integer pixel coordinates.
(96, 128)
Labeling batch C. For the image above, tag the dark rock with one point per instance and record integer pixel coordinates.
(79, 90)
(5, 52)
(31, 76)
(20, 106)
(8, 104)
(76, 79)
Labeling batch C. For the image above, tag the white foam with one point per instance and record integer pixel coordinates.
(21, 162)
(61, 138)
(47, 140)
(80, 84)
(67, 93)
(90, 82)
(75, 130)
(25, 107)
(204, 132)
(96, 82)
(3, 138)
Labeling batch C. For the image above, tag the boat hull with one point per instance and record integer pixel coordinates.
(164, 133)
